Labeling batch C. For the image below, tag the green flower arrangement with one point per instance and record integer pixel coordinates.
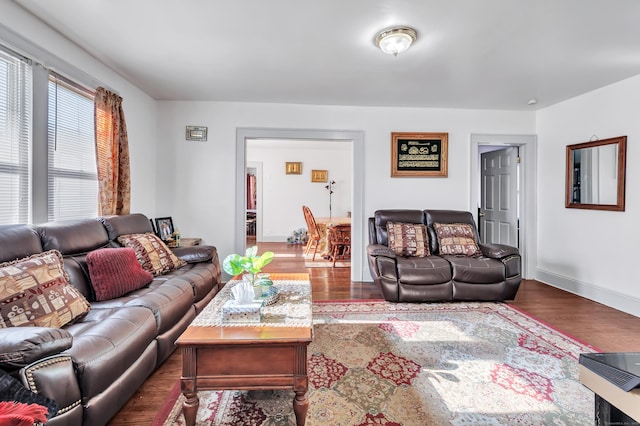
(250, 263)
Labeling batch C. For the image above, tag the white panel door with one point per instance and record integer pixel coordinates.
(498, 218)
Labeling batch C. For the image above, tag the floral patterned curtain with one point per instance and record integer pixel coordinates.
(112, 152)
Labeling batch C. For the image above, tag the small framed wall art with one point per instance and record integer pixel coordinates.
(319, 175)
(419, 154)
(196, 133)
(293, 168)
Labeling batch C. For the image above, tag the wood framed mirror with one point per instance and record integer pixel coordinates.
(596, 174)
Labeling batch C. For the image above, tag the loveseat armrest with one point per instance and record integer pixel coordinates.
(195, 254)
(498, 251)
(54, 377)
(20, 346)
(380, 250)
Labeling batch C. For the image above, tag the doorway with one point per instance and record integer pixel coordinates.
(254, 201)
(526, 200)
(498, 214)
(357, 142)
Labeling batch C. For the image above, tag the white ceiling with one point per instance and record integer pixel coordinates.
(469, 53)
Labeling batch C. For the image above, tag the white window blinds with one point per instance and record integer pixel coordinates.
(73, 182)
(15, 138)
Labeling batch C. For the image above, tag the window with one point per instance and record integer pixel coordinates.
(15, 138)
(72, 180)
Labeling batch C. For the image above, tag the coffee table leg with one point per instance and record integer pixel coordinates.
(191, 402)
(300, 407)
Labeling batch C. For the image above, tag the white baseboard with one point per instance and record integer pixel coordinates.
(620, 301)
(274, 239)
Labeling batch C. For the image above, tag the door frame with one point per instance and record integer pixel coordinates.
(258, 166)
(356, 138)
(528, 167)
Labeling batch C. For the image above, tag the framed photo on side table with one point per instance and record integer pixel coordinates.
(164, 226)
(419, 154)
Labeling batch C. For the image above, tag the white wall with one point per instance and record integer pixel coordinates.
(283, 194)
(197, 177)
(591, 253)
(55, 51)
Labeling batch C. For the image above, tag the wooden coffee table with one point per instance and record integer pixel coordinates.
(271, 355)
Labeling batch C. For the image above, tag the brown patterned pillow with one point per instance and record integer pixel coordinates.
(152, 253)
(457, 238)
(35, 291)
(408, 239)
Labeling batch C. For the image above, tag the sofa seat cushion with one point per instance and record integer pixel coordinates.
(106, 343)
(36, 291)
(168, 300)
(476, 270)
(152, 253)
(115, 272)
(423, 270)
(202, 277)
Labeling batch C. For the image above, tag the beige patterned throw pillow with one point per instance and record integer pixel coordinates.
(456, 239)
(408, 239)
(152, 253)
(35, 291)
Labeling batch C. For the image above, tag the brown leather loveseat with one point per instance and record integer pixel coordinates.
(475, 271)
(94, 364)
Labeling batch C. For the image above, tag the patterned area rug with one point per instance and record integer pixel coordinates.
(380, 363)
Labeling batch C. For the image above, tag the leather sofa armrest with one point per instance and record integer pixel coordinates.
(380, 250)
(54, 377)
(498, 251)
(20, 346)
(195, 254)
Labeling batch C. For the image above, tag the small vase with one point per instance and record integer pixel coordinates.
(257, 290)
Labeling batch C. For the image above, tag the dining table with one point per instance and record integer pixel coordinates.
(324, 223)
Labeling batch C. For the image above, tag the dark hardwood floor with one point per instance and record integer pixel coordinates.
(603, 327)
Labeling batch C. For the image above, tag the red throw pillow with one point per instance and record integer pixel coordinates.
(115, 272)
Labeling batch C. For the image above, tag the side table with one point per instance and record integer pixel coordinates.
(188, 242)
(613, 406)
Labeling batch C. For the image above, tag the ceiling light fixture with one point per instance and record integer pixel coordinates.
(396, 40)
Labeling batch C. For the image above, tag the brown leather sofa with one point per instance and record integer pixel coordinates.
(493, 276)
(93, 366)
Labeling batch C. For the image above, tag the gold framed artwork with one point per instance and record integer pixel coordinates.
(419, 154)
(319, 175)
(293, 168)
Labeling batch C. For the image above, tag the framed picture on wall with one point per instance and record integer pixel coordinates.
(164, 227)
(419, 154)
(319, 175)
(293, 167)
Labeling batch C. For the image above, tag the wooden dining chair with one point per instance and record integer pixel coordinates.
(339, 242)
(312, 230)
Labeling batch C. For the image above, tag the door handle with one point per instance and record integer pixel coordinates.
(480, 214)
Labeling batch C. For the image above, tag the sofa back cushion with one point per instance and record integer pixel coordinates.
(408, 239)
(74, 239)
(446, 216)
(381, 217)
(35, 291)
(18, 241)
(152, 253)
(115, 272)
(134, 223)
(73, 236)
